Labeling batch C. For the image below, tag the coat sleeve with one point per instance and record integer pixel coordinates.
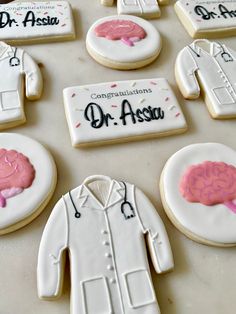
(51, 258)
(185, 73)
(153, 227)
(33, 78)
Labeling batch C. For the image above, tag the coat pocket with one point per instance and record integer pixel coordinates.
(96, 297)
(10, 100)
(223, 96)
(139, 288)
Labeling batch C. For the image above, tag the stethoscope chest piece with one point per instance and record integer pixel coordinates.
(14, 61)
(227, 57)
(77, 215)
(127, 210)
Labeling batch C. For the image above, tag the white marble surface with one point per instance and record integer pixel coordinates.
(204, 278)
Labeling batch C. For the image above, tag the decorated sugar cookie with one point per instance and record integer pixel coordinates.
(103, 223)
(22, 77)
(27, 180)
(37, 21)
(123, 42)
(198, 188)
(209, 68)
(122, 111)
(212, 18)
(144, 8)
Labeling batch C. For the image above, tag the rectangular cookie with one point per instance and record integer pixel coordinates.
(122, 111)
(207, 18)
(22, 22)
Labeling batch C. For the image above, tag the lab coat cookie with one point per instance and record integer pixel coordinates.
(19, 70)
(27, 180)
(33, 22)
(209, 68)
(207, 19)
(102, 223)
(198, 190)
(123, 42)
(144, 8)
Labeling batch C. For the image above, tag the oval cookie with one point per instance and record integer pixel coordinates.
(123, 42)
(198, 190)
(27, 180)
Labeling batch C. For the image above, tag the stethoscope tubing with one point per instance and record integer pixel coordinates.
(14, 61)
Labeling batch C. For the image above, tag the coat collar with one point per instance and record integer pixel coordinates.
(6, 51)
(215, 48)
(87, 199)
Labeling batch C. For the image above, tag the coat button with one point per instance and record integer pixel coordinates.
(110, 267)
(108, 255)
(104, 232)
(112, 280)
(105, 243)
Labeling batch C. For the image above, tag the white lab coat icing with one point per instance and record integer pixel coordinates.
(213, 71)
(108, 261)
(138, 7)
(17, 72)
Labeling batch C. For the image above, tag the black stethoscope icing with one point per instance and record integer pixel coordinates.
(126, 206)
(226, 56)
(77, 213)
(14, 61)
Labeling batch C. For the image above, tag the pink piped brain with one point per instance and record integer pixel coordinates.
(125, 30)
(210, 183)
(16, 174)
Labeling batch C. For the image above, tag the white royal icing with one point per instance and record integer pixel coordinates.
(215, 223)
(139, 7)
(143, 8)
(120, 110)
(19, 70)
(22, 208)
(207, 17)
(117, 51)
(105, 237)
(36, 21)
(212, 66)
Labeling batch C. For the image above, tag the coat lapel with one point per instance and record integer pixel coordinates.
(87, 199)
(116, 194)
(7, 53)
(216, 49)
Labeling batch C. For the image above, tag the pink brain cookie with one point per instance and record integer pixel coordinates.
(16, 174)
(125, 30)
(210, 183)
